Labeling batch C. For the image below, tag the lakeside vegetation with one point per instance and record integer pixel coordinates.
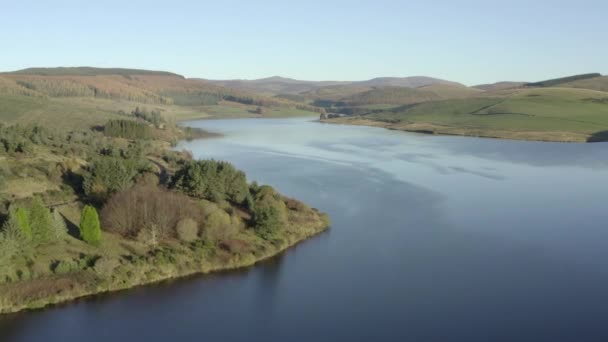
(96, 201)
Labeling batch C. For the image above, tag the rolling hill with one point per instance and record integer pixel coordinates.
(391, 95)
(500, 86)
(596, 83)
(408, 82)
(91, 95)
(557, 82)
(286, 86)
(565, 109)
(89, 71)
(544, 113)
(274, 85)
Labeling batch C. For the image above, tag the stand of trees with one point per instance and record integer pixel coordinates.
(212, 180)
(111, 174)
(154, 117)
(127, 129)
(21, 139)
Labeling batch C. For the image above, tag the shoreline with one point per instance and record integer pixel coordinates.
(434, 129)
(175, 272)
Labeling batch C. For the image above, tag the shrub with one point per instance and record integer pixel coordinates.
(106, 266)
(235, 246)
(293, 204)
(90, 229)
(187, 230)
(220, 226)
(212, 180)
(64, 266)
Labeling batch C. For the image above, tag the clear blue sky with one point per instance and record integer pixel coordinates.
(467, 41)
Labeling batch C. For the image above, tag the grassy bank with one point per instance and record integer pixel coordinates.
(428, 128)
(547, 114)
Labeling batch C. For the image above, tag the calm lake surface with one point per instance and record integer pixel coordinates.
(433, 239)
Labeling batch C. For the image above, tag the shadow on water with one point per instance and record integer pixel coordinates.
(11, 326)
(600, 136)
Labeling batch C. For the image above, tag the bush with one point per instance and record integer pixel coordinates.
(90, 229)
(293, 204)
(106, 266)
(212, 180)
(64, 266)
(187, 230)
(219, 226)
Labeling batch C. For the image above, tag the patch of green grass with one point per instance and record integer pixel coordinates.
(596, 83)
(14, 107)
(549, 109)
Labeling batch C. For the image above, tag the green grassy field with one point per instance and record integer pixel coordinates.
(596, 83)
(90, 96)
(574, 114)
(85, 112)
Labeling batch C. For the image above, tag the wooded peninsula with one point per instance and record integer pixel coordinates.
(91, 210)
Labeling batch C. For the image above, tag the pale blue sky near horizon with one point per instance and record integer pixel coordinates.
(466, 41)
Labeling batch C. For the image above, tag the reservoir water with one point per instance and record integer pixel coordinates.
(434, 238)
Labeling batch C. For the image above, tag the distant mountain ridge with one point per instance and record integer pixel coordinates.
(274, 85)
(143, 86)
(500, 85)
(277, 85)
(406, 82)
(562, 80)
(89, 71)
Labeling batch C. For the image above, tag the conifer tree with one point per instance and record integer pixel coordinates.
(18, 218)
(90, 229)
(41, 221)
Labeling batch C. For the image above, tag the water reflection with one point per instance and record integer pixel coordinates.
(433, 239)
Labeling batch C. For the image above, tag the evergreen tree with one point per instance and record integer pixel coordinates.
(59, 228)
(270, 212)
(109, 175)
(41, 221)
(12, 240)
(90, 229)
(18, 218)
